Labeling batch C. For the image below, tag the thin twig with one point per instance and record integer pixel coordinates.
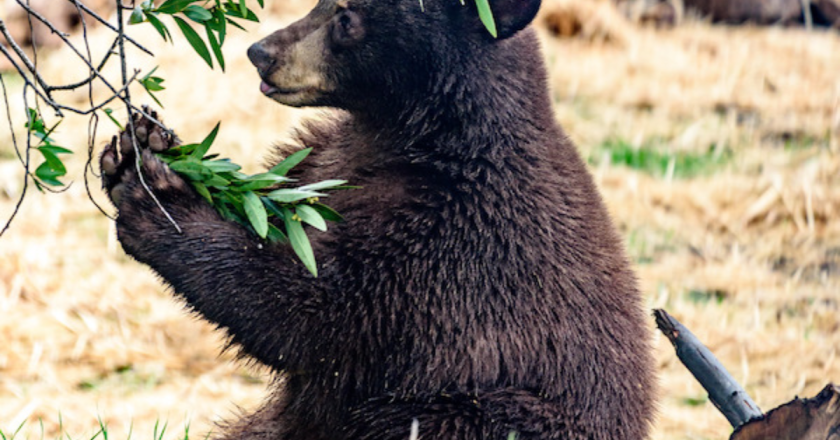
(806, 15)
(111, 27)
(93, 122)
(94, 72)
(116, 94)
(21, 54)
(25, 162)
(46, 95)
(47, 87)
(137, 155)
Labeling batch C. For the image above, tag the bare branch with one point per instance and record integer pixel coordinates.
(94, 72)
(22, 55)
(24, 159)
(63, 36)
(110, 26)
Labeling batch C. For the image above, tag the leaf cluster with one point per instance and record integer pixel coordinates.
(266, 203)
(52, 168)
(214, 19)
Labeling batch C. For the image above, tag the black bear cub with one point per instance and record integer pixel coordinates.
(477, 285)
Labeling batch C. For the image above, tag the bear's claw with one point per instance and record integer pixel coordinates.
(118, 162)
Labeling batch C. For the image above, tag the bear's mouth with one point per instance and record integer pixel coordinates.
(268, 90)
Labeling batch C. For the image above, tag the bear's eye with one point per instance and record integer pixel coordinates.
(347, 28)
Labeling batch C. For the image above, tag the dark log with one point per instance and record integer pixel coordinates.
(817, 418)
(724, 392)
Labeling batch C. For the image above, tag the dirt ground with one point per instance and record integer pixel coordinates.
(733, 226)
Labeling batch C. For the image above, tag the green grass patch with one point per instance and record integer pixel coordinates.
(654, 159)
(706, 296)
(124, 376)
(694, 401)
(100, 433)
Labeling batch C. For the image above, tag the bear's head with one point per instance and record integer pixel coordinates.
(352, 53)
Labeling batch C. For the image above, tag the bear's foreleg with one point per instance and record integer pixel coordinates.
(259, 292)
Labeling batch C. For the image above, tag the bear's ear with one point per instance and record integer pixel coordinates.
(511, 16)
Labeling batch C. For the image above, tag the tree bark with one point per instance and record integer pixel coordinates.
(817, 418)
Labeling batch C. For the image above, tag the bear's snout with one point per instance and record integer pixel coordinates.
(260, 58)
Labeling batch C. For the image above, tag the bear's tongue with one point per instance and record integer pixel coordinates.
(265, 88)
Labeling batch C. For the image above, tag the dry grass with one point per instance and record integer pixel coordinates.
(747, 253)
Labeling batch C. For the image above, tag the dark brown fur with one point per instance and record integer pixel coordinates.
(477, 284)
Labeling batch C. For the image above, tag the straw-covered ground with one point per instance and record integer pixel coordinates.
(716, 149)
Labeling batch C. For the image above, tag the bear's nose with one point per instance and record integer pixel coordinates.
(260, 57)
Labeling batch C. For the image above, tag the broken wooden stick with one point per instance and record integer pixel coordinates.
(724, 392)
(817, 418)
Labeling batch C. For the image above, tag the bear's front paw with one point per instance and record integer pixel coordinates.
(148, 201)
(119, 161)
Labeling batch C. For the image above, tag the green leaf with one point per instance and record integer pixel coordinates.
(311, 216)
(267, 176)
(219, 25)
(291, 195)
(260, 181)
(261, 3)
(197, 14)
(235, 24)
(48, 175)
(221, 166)
(300, 242)
(324, 184)
(137, 16)
(152, 95)
(34, 123)
(235, 175)
(216, 47)
(159, 26)
(52, 161)
(180, 150)
(205, 144)
(32, 115)
(275, 234)
(486, 16)
(193, 170)
(42, 136)
(327, 213)
(195, 41)
(55, 149)
(272, 207)
(290, 162)
(217, 181)
(255, 211)
(202, 189)
(153, 84)
(173, 6)
(254, 185)
(239, 11)
(109, 113)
